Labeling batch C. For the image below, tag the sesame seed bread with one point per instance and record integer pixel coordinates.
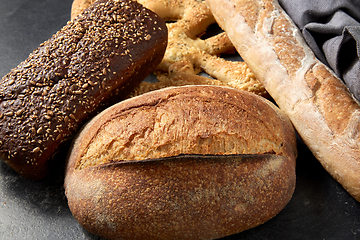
(323, 111)
(93, 61)
(192, 162)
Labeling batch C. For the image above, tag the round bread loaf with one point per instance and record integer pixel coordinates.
(193, 162)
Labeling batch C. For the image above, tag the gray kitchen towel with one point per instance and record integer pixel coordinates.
(332, 30)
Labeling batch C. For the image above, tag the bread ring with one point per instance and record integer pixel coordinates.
(187, 54)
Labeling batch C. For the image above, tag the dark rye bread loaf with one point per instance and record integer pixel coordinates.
(93, 61)
(194, 162)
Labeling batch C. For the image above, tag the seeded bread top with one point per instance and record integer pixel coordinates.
(45, 99)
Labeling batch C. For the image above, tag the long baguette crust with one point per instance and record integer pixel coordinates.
(323, 111)
(96, 59)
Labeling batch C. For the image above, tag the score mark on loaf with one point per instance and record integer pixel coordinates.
(193, 162)
(95, 60)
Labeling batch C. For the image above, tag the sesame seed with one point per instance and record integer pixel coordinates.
(147, 37)
(19, 112)
(36, 150)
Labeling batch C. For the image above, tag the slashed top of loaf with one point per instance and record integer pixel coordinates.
(184, 120)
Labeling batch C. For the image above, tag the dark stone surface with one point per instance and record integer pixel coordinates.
(319, 209)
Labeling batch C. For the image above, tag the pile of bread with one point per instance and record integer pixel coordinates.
(190, 156)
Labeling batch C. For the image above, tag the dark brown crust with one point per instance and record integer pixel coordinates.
(185, 196)
(93, 61)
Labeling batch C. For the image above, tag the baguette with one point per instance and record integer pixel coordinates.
(323, 111)
(95, 60)
(193, 162)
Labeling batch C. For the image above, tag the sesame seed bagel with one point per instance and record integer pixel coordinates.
(92, 62)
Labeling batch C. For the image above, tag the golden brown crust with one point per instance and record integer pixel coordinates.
(332, 98)
(91, 62)
(183, 121)
(188, 162)
(188, 54)
(318, 103)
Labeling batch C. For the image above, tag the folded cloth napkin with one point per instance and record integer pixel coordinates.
(332, 30)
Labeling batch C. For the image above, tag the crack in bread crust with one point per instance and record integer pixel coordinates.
(191, 121)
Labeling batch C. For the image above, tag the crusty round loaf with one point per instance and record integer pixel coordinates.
(193, 162)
